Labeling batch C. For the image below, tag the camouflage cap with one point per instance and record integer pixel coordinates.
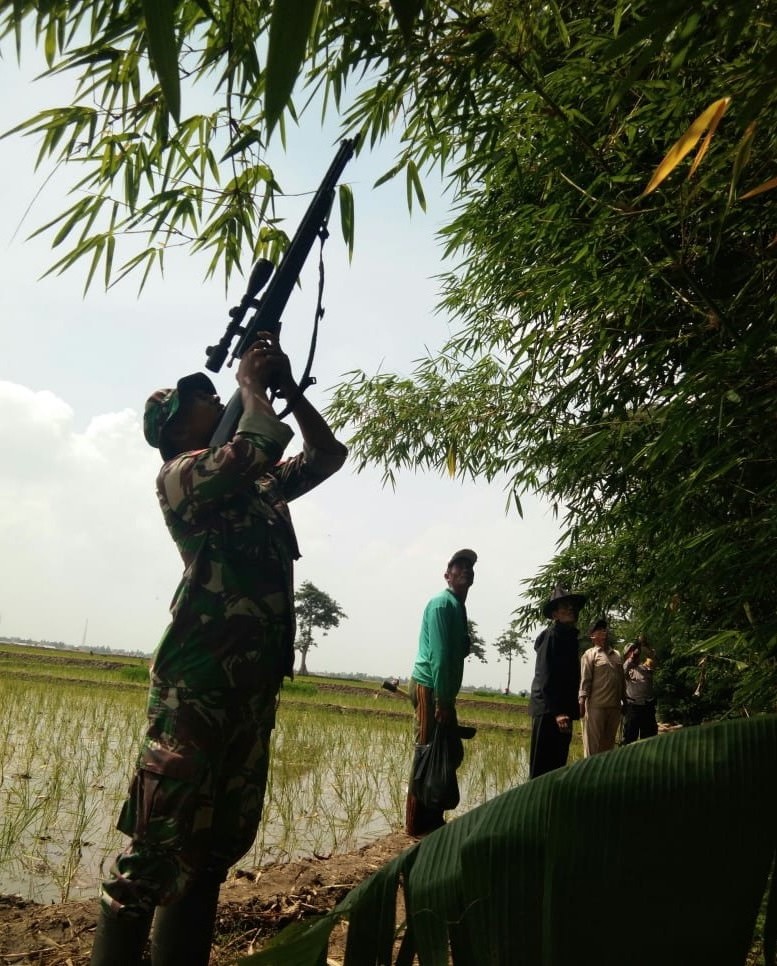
(163, 404)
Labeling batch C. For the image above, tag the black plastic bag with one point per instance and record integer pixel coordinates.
(434, 770)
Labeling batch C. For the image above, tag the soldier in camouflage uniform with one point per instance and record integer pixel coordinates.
(196, 799)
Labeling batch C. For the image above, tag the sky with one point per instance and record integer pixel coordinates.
(85, 554)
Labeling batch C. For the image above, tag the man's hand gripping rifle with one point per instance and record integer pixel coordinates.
(269, 308)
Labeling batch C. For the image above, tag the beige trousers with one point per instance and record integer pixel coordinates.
(600, 729)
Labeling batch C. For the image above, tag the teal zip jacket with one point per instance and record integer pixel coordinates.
(443, 643)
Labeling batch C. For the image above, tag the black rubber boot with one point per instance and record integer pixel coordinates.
(120, 941)
(183, 931)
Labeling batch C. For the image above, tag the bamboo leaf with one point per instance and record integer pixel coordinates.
(391, 173)
(291, 24)
(406, 12)
(79, 212)
(97, 245)
(50, 43)
(707, 139)
(741, 158)
(562, 27)
(160, 29)
(246, 139)
(109, 252)
(766, 186)
(656, 26)
(710, 117)
(450, 460)
(205, 7)
(347, 216)
(415, 181)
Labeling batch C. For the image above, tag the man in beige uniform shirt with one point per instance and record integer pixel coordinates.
(601, 691)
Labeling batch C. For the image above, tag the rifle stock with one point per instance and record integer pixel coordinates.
(269, 308)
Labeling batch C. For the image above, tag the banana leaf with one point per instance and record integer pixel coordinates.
(656, 853)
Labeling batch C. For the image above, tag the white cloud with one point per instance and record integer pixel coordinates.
(79, 523)
(85, 540)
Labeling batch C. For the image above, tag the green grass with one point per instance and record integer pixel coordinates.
(31, 652)
(43, 663)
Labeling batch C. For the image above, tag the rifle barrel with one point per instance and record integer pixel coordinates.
(270, 307)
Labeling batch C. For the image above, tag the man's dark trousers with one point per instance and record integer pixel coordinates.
(549, 746)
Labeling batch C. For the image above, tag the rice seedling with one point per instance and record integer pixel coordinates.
(336, 780)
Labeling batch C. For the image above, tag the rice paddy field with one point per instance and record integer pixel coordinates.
(71, 722)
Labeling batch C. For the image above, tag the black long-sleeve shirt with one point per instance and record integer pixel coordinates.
(556, 672)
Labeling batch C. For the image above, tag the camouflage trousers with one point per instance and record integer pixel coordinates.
(196, 799)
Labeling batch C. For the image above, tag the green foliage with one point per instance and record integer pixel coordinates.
(477, 644)
(617, 352)
(166, 129)
(502, 884)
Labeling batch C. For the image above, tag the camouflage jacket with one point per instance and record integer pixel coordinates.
(226, 508)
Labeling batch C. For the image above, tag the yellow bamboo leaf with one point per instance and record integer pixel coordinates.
(741, 159)
(705, 144)
(709, 118)
(451, 460)
(766, 186)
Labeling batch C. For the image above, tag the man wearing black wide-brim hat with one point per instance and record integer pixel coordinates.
(553, 704)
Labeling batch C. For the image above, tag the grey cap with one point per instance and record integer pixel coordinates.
(600, 624)
(464, 555)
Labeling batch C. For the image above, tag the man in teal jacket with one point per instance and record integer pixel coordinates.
(443, 644)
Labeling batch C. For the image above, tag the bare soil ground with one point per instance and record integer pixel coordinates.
(254, 906)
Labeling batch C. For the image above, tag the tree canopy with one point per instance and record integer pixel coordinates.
(616, 302)
(510, 646)
(612, 248)
(477, 644)
(315, 610)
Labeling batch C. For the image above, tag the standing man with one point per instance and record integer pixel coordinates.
(601, 691)
(639, 710)
(443, 643)
(553, 704)
(195, 802)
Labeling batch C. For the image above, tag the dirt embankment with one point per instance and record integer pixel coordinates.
(254, 906)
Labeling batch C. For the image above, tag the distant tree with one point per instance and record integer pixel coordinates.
(314, 609)
(510, 645)
(477, 644)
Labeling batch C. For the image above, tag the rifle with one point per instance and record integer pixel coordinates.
(269, 308)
